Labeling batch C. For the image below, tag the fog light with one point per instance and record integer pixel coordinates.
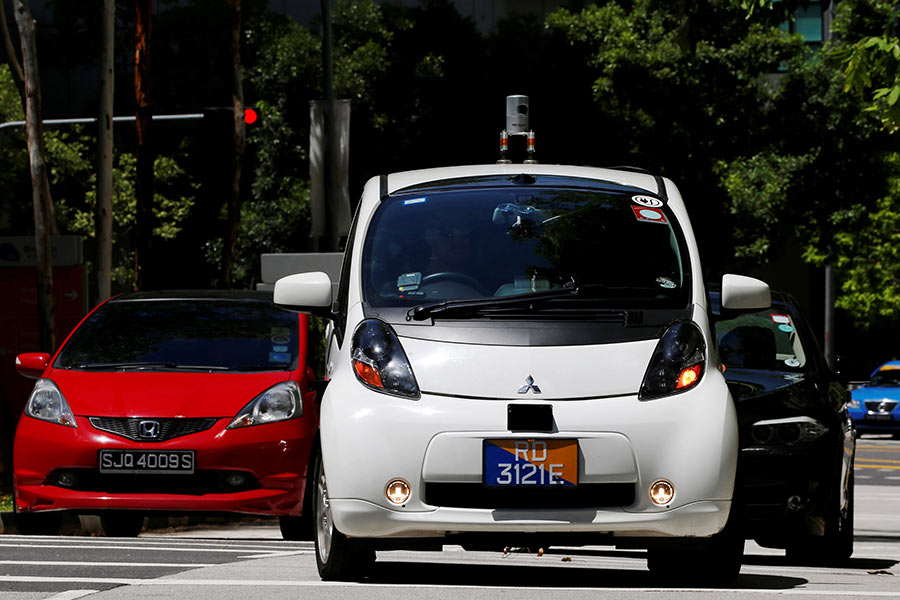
(662, 492)
(397, 491)
(66, 479)
(236, 479)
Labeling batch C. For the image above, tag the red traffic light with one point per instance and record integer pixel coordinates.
(250, 115)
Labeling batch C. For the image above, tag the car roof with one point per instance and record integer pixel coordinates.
(250, 295)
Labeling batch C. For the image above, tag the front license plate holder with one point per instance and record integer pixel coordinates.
(879, 417)
(529, 463)
(169, 462)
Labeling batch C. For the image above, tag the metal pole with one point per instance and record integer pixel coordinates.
(94, 120)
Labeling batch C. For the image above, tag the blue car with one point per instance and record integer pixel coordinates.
(876, 406)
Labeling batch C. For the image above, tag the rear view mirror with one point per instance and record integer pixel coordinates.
(305, 292)
(745, 293)
(32, 364)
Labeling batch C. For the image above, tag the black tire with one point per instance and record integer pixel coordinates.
(122, 523)
(835, 547)
(338, 558)
(39, 523)
(296, 529)
(715, 564)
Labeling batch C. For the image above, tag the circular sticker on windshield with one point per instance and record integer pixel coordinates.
(280, 339)
(786, 328)
(647, 201)
(792, 361)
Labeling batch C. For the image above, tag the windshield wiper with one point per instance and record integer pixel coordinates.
(142, 366)
(423, 311)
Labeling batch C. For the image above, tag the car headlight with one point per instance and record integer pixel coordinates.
(792, 431)
(280, 402)
(47, 403)
(854, 403)
(380, 362)
(677, 363)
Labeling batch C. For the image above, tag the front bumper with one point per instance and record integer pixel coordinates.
(272, 459)
(368, 439)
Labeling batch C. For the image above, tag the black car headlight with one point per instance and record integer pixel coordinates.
(380, 362)
(677, 363)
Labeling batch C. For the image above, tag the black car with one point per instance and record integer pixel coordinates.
(794, 487)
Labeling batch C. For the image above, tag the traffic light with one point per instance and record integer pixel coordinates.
(251, 114)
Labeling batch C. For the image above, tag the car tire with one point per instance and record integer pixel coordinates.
(835, 547)
(122, 523)
(338, 558)
(296, 529)
(40, 523)
(716, 564)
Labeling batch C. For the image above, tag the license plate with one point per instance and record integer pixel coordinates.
(879, 417)
(530, 462)
(147, 461)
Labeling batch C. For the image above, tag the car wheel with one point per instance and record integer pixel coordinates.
(122, 523)
(836, 546)
(296, 529)
(717, 564)
(338, 557)
(40, 523)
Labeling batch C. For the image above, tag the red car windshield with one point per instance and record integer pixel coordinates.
(184, 334)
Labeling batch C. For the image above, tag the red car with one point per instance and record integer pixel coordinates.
(169, 402)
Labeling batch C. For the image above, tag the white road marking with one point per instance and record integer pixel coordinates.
(66, 563)
(71, 594)
(324, 584)
(57, 546)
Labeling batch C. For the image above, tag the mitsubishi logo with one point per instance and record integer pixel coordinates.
(148, 429)
(529, 385)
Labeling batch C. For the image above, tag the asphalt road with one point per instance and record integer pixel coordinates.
(249, 562)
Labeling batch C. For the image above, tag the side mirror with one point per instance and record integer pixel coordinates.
(745, 293)
(305, 292)
(32, 364)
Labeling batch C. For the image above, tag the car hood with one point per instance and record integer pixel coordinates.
(876, 393)
(143, 394)
(489, 371)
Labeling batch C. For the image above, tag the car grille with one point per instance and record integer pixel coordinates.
(129, 427)
(882, 406)
(476, 495)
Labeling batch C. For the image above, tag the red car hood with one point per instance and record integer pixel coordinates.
(143, 394)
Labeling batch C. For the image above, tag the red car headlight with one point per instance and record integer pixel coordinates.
(47, 403)
(280, 402)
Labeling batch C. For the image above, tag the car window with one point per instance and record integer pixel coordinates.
(481, 243)
(163, 334)
(886, 377)
(766, 340)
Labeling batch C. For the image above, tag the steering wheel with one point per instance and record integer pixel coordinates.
(466, 280)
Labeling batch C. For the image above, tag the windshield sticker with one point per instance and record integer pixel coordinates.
(409, 281)
(665, 282)
(279, 357)
(786, 328)
(781, 319)
(279, 348)
(647, 201)
(414, 201)
(792, 361)
(649, 215)
(279, 339)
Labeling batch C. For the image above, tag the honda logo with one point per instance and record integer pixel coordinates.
(148, 429)
(529, 385)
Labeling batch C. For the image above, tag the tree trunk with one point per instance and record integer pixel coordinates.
(240, 141)
(143, 270)
(104, 209)
(40, 189)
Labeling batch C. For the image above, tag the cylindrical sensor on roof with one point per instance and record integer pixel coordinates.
(517, 115)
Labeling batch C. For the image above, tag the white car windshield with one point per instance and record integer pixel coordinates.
(614, 246)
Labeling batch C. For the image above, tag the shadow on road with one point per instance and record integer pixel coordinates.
(543, 576)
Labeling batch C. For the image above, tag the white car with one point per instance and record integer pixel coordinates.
(521, 355)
